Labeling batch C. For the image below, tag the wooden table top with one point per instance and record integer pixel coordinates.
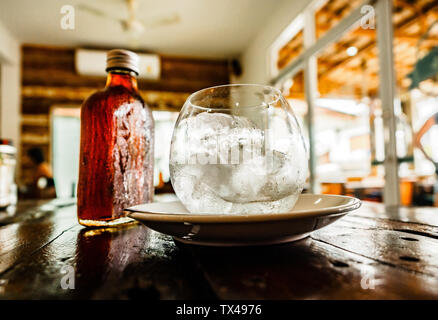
(372, 253)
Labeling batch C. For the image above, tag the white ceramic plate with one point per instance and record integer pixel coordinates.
(311, 212)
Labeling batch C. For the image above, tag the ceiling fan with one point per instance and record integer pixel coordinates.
(131, 23)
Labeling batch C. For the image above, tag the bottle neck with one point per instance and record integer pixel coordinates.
(122, 77)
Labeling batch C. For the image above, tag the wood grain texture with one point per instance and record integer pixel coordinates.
(337, 262)
(129, 262)
(52, 66)
(372, 253)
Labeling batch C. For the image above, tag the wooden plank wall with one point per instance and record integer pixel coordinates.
(49, 78)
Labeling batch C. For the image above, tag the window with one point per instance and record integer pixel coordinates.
(342, 63)
(65, 132)
(164, 124)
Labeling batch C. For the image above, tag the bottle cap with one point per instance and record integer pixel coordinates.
(119, 58)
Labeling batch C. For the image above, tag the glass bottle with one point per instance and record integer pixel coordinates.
(116, 147)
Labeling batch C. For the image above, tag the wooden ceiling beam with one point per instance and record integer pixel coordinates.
(404, 33)
(372, 42)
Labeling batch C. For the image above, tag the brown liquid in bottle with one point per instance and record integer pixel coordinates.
(116, 151)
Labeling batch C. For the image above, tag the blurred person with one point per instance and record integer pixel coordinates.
(43, 185)
(433, 120)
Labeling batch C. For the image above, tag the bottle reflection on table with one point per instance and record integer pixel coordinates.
(102, 255)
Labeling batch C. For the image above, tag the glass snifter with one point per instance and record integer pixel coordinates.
(237, 149)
